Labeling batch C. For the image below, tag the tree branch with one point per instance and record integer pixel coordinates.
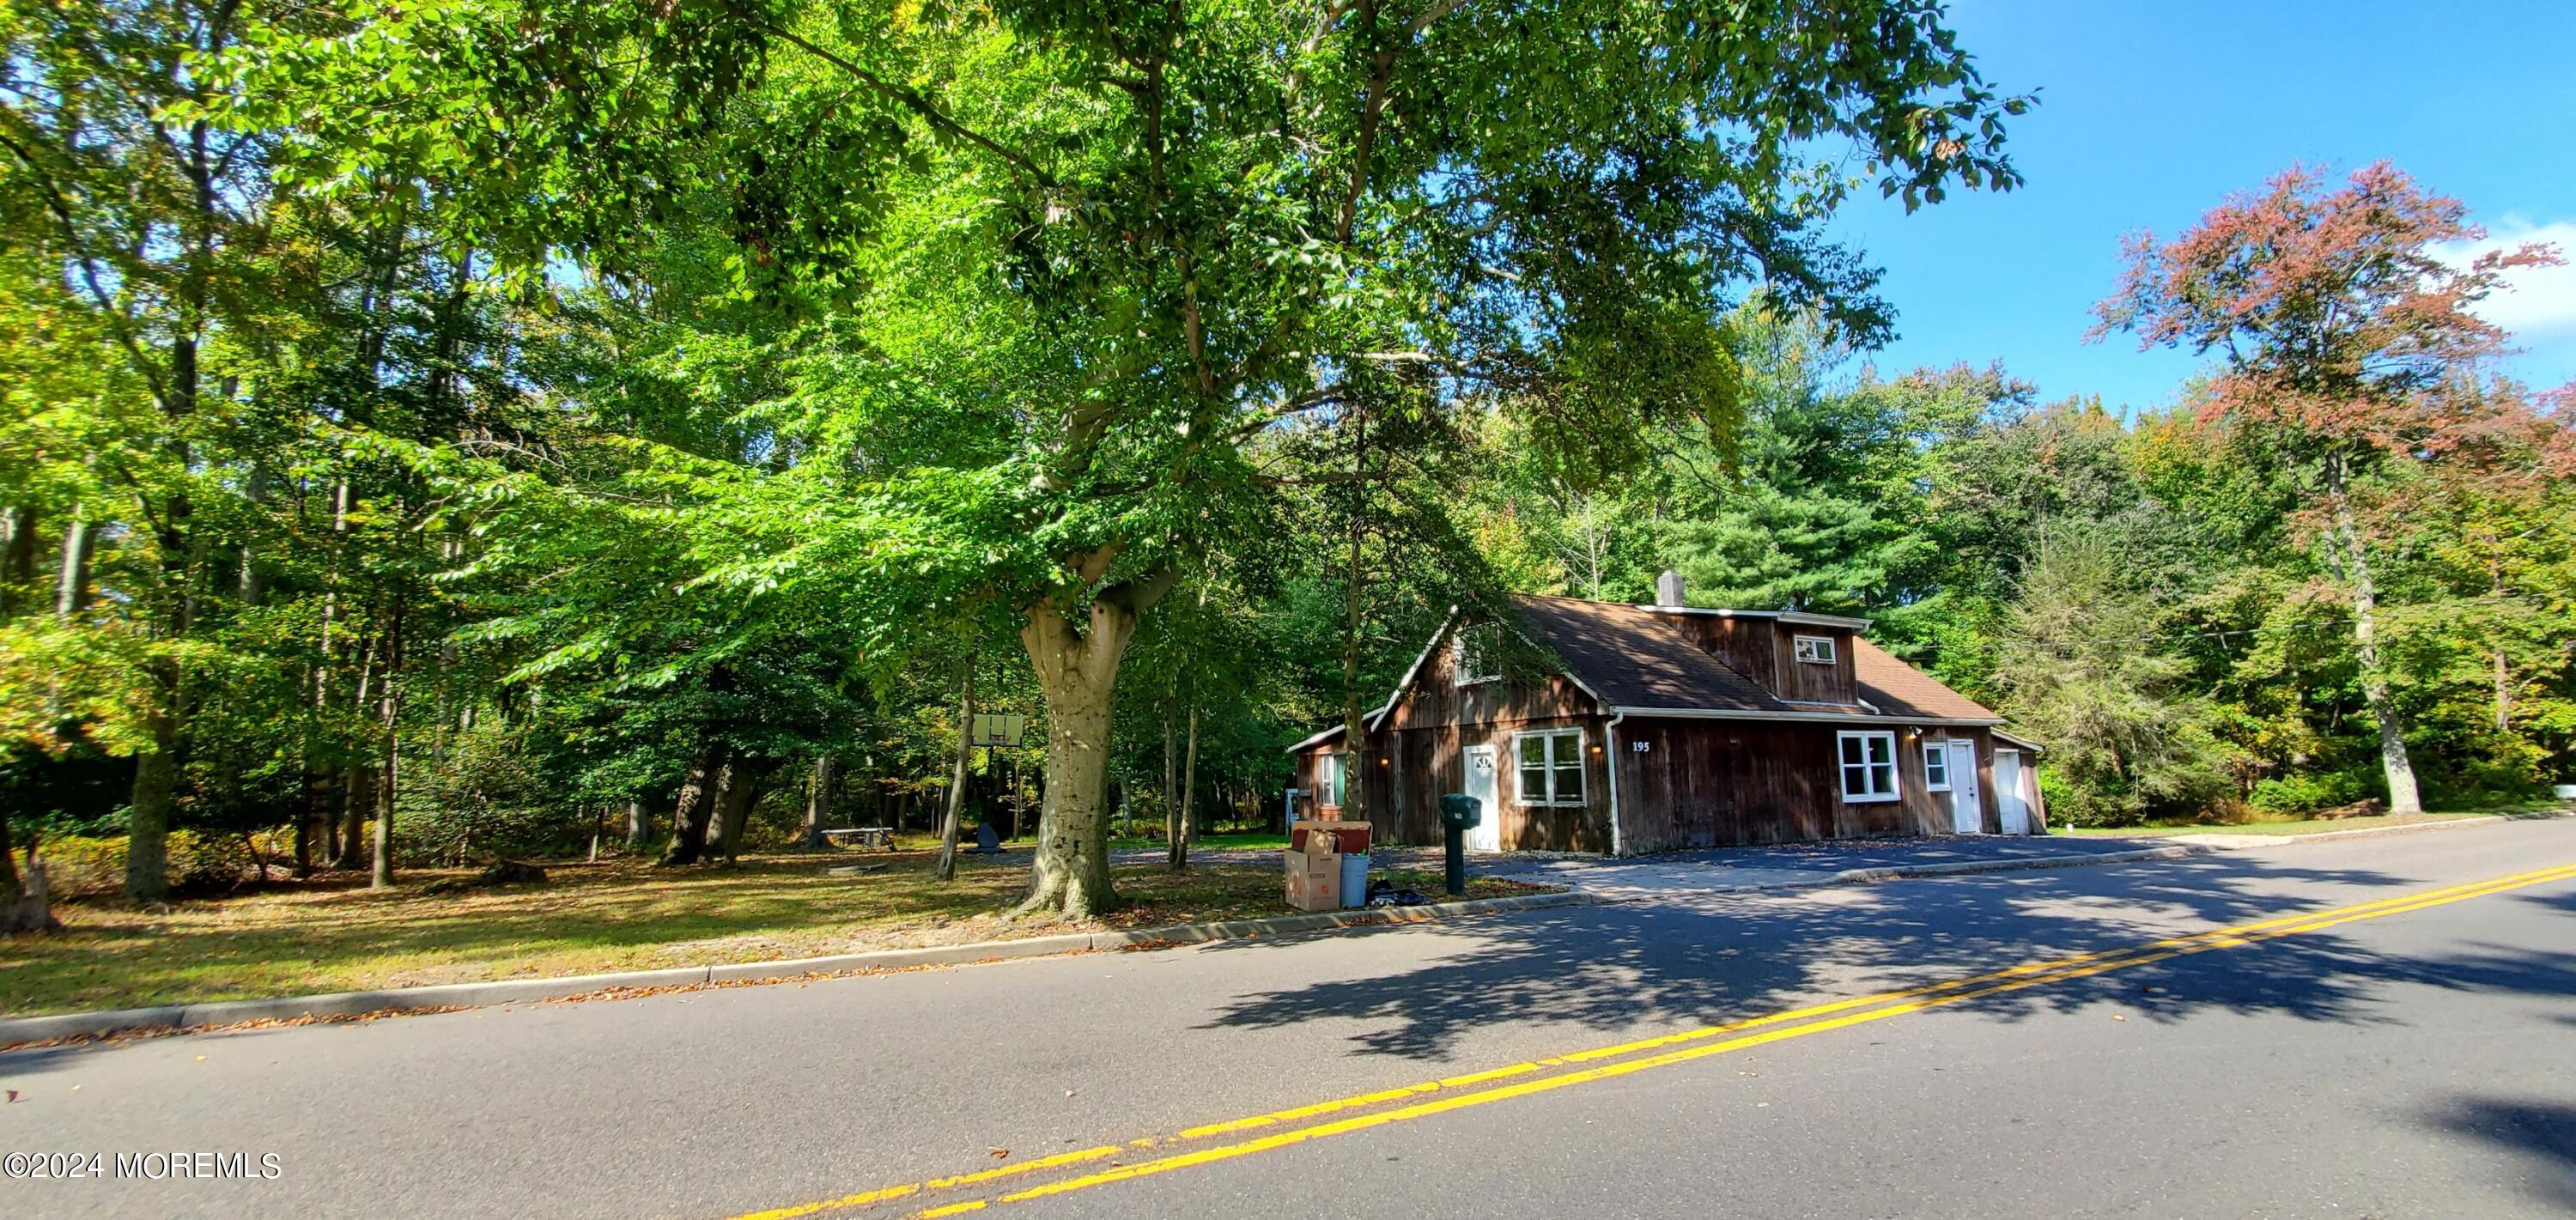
(911, 99)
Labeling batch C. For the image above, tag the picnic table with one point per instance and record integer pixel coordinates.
(873, 838)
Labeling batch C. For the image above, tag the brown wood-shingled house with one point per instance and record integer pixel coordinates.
(1667, 726)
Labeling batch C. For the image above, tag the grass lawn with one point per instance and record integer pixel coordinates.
(335, 935)
(2305, 826)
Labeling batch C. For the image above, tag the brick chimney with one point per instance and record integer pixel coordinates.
(1668, 588)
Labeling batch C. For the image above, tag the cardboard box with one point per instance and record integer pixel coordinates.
(1316, 891)
(1314, 861)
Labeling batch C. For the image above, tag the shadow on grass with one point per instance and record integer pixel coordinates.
(1686, 961)
(335, 936)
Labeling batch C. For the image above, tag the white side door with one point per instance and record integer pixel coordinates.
(1484, 782)
(2016, 811)
(1967, 808)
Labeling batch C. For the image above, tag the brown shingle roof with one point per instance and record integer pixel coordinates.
(1632, 657)
(1636, 658)
(1900, 690)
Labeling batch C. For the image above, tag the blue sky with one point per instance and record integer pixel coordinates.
(2152, 112)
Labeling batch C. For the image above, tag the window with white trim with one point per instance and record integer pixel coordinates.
(1813, 649)
(1473, 651)
(1551, 767)
(1936, 766)
(1868, 765)
(1330, 780)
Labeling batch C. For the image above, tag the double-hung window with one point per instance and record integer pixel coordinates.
(1551, 768)
(1868, 766)
(1330, 782)
(1936, 766)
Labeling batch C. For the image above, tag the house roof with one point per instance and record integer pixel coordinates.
(1320, 737)
(1632, 657)
(1900, 690)
(1638, 660)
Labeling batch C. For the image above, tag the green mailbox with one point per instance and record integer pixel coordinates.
(1459, 814)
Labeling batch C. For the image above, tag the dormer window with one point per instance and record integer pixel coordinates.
(1814, 649)
(1474, 650)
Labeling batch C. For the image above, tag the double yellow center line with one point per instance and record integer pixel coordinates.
(1565, 1071)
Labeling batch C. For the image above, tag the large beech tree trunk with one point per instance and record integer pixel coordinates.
(1077, 671)
(689, 810)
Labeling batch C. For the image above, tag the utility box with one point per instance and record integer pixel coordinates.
(1314, 860)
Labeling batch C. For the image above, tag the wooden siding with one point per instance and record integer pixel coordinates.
(1803, 682)
(1697, 783)
(1423, 748)
(1437, 699)
(1724, 783)
(1413, 768)
(1764, 649)
(1744, 643)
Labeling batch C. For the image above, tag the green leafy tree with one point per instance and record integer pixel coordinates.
(2085, 667)
(1065, 265)
(2350, 354)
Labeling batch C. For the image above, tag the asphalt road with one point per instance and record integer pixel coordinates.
(2415, 1059)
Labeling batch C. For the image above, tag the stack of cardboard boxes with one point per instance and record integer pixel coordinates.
(1315, 851)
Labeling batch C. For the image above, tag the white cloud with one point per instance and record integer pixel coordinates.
(2538, 304)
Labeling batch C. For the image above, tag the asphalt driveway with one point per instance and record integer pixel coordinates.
(1722, 868)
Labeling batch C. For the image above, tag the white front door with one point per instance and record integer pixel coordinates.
(1484, 782)
(1967, 810)
(2016, 811)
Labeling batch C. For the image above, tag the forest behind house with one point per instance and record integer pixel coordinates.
(675, 468)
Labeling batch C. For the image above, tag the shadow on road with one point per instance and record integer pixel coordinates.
(1689, 960)
(2541, 1135)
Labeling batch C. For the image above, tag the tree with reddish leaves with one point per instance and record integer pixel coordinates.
(2350, 355)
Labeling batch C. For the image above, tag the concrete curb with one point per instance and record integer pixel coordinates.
(17, 1030)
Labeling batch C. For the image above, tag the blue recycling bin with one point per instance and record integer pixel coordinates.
(1355, 880)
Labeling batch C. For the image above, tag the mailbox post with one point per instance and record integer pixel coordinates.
(1459, 813)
